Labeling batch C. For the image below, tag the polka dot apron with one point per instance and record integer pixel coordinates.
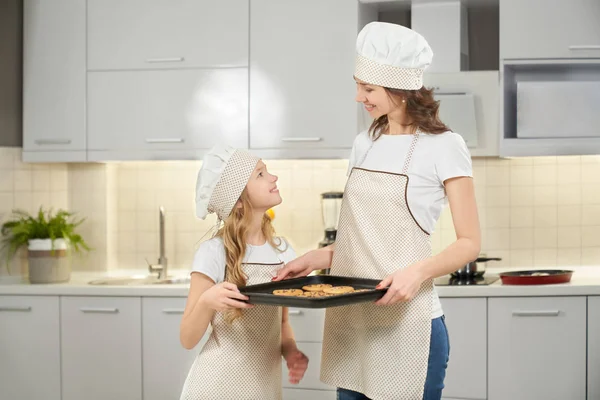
(241, 361)
(380, 351)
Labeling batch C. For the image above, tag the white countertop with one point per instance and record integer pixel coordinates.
(585, 282)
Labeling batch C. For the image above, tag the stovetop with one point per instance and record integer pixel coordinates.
(480, 281)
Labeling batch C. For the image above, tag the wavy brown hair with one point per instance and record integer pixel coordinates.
(234, 234)
(421, 109)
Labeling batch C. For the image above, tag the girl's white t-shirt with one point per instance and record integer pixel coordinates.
(210, 259)
(436, 158)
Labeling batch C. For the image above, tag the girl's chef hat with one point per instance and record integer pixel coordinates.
(221, 180)
(391, 56)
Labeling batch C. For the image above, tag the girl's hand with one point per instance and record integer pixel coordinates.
(297, 363)
(224, 296)
(403, 285)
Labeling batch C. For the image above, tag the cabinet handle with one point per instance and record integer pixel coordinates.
(52, 141)
(173, 310)
(165, 60)
(99, 310)
(165, 140)
(549, 313)
(585, 47)
(295, 311)
(300, 139)
(21, 309)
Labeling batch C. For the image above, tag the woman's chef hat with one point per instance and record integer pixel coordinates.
(221, 180)
(391, 56)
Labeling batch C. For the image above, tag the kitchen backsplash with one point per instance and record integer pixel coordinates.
(542, 211)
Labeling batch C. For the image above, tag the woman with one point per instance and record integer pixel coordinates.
(402, 172)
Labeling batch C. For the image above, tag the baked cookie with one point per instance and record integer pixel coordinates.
(362, 290)
(288, 292)
(317, 287)
(339, 290)
(314, 294)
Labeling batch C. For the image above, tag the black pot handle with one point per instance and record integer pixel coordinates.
(485, 259)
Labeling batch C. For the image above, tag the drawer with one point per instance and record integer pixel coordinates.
(303, 394)
(311, 377)
(307, 324)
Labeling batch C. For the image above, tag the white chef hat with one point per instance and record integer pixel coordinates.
(391, 56)
(221, 180)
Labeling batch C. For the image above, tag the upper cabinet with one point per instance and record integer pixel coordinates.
(143, 34)
(301, 87)
(54, 74)
(469, 106)
(165, 114)
(546, 29)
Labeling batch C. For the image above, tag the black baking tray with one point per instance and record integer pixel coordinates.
(263, 293)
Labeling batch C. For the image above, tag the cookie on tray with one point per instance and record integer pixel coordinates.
(288, 292)
(362, 290)
(317, 287)
(314, 294)
(339, 290)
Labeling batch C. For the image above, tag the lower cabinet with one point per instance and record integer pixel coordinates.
(29, 347)
(101, 348)
(165, 362)
(593, 349)
(466, 375)
(537, 348)
(308, 394)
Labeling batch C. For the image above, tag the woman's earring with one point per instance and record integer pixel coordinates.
(404, 100)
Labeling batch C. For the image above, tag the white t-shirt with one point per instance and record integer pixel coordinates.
(210, 257)
(436, 158)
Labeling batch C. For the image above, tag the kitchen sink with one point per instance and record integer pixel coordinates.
(141, 280)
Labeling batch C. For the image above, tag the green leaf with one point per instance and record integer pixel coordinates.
(22, 227)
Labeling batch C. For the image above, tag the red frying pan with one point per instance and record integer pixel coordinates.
(536, 277)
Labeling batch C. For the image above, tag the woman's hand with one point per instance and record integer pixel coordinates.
(403, 285)
(297, 363)
(304, 265)
(224, 296)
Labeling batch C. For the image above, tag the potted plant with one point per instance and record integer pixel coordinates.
(49, 239)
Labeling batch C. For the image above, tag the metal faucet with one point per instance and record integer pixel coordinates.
(161, 267)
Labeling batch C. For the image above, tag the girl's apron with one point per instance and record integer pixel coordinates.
(380, 351)
(242, 360)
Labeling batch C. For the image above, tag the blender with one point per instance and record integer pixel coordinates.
(331, 203)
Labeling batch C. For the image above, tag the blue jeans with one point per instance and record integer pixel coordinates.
(439, 352)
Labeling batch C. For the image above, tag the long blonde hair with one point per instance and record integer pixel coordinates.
(234, 234)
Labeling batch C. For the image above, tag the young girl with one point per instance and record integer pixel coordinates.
(242, 357)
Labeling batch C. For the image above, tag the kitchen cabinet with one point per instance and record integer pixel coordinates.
(165, 362)
(469, 106)
(54, 80)
(534, 96)
(303, 394)
(307, 325)
(301, 88)
(593, 348)
(466, 374)
(537, 348)
(30, 347)
(165, 113)
(156, 34)
(101, 348)
(546, 29)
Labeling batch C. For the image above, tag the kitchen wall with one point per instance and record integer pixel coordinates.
(542, 211)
